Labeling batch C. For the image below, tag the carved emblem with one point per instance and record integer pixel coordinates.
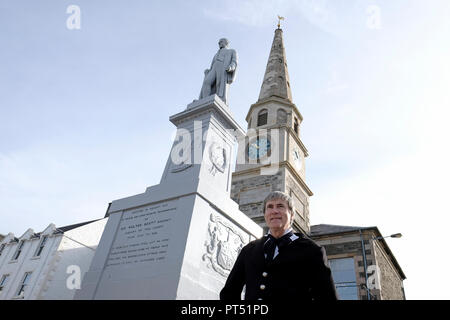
(218, 157)
(223, 245)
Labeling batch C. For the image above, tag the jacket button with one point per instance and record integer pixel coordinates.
(262, 287)
(264, 274)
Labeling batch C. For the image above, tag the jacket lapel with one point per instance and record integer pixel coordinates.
(258, 258)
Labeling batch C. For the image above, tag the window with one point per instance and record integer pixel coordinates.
(296, 126)
(2, 247)
(18, 250)
(262, 118)
(24, 284)
(41, 246)
(281, 116)
(343, 271)
(3, 281)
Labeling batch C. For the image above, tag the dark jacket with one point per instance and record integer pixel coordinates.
(298, 272)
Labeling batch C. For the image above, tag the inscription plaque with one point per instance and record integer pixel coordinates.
(143, 236)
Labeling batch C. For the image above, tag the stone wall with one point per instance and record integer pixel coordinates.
(250, 191)
(301, 203)
(390, 280)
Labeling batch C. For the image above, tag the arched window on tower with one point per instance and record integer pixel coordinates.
(281, 116)
(262, 117)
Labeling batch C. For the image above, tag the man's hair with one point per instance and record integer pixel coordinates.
(275, 195)
(226, 40)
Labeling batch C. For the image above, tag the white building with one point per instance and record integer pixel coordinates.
(50, 264)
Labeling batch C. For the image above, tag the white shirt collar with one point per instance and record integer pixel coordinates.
(286, 232)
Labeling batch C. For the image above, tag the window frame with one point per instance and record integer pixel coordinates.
(263, 112)
(18, 251)
(23, 284)
(41, 246)
(4, 281)
(346, 283)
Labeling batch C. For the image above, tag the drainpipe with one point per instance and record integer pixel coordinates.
(363, 248)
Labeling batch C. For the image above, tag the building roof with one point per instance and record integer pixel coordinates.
(67, 228)
(330, 229)
(59, 230)
(323, 229)
(73, 226)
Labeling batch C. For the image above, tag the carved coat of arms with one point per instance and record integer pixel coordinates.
(223, 245)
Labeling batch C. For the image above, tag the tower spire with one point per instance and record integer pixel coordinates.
(276, 78)
(273, 138)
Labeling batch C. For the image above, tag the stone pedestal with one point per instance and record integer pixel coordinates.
(179, 239)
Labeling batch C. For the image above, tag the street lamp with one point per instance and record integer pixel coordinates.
(395, 235)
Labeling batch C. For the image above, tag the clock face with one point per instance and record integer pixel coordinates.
(258, 148)
(264, 147)
(253, 150)
(297, 159)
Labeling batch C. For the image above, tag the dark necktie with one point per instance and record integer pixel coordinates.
(272, 242)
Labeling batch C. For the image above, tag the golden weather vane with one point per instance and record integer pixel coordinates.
(279, 20)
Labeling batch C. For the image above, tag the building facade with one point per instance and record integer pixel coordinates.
(363, 266)
(47, 265)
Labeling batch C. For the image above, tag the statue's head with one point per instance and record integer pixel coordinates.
(223, 43)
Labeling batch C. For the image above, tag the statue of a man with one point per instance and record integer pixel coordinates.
(221, 73)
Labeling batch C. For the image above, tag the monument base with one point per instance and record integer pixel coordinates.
(179, 239)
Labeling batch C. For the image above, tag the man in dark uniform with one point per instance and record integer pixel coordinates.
(280, 265)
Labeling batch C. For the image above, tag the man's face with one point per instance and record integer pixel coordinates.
(222, 43)
(277, 215)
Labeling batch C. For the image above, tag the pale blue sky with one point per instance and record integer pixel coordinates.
(84, 113)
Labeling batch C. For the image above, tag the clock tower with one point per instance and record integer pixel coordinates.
(271, 157)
